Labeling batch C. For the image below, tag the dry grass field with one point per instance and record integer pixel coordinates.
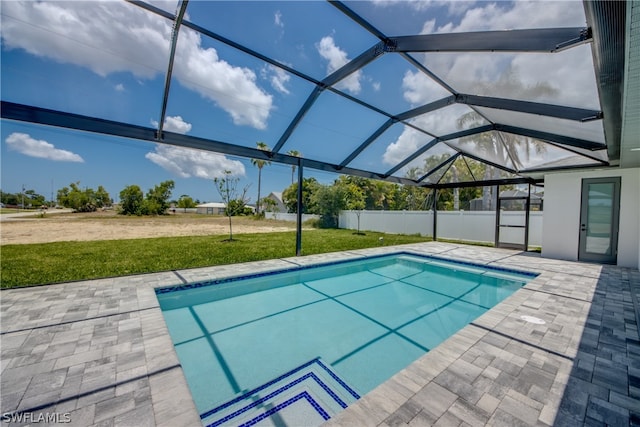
(111, 226)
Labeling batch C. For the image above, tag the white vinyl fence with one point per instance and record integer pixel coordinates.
(395, 222)
(477, 226)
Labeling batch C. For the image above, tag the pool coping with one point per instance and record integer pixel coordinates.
(106, 344)
(235, 278)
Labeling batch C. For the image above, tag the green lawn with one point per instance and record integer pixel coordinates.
(36, 264)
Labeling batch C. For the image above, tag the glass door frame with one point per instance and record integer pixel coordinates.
(583, 254)
(524, 246)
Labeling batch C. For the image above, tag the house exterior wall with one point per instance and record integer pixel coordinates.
(561, 232)
(210, 210)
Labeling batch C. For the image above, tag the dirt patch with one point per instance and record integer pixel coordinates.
(110, 226)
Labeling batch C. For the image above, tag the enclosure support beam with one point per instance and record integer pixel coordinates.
(299, 208)
(538, 108)
(547, 136)
(43, 116)
(528, 40)
(483, 183)
(497, 208)
(526, 218)
(172, 55)
(435, 214)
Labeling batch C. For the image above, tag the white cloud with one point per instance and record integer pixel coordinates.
(337, 58)
(277, 77)
(420, 89)
(428, 27)
(376, 86)
(174, 124)
(455, 7)
(186, 162)
(408, 142)
(565, 78)
(277, 19)
(109, 37)
(439, 122)
(519, 14)
(119, 87)
(232, 88)
(25, 144)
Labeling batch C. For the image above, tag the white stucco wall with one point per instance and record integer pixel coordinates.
(560, 235)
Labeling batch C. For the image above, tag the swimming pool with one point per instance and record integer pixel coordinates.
(299, 346)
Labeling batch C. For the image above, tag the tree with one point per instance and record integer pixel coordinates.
(293, 153)
(10, 198)
(78, 200)
(186, 202)
(270, 205)
(157, 200)
(377, 194)
(500, 147)
(131, 200)
(412, 197)
(102, 197)
(290, 195)
(259, 163)
(354, 201)
(238, 207)
(329, 200)
(35, 200)
(227, 187)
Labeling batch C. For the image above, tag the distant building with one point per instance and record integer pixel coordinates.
(212, 208)
(217, 208)
(276, 196)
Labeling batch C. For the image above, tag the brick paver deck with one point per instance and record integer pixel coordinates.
(98, 352)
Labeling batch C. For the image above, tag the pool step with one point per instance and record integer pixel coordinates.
(307, 395)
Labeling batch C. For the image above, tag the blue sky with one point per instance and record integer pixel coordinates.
(108, 60)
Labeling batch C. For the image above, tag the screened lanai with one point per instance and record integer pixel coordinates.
(427, 94)
(389, 97)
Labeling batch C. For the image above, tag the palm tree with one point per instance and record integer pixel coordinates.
(294, 153)
(501, 148)
(260, 164)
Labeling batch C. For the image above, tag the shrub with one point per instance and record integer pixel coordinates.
(312, 222)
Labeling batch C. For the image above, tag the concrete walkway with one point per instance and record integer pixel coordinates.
(98, 352)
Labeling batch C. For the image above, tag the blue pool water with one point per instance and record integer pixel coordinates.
(339, 329)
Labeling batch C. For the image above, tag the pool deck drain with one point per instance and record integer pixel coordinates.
(98, 352)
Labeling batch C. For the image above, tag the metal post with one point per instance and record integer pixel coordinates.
(299, 208)
(435, 214)
(497, 233)
(526, 218)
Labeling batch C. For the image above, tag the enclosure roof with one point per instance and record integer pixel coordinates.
(421, 93)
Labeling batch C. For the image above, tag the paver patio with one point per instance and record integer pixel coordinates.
(98, 352)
